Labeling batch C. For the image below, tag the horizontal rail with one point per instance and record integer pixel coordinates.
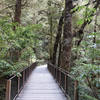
(62, 70)
(15, 84)
(68, 83)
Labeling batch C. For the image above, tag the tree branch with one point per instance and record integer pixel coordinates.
(80, 32)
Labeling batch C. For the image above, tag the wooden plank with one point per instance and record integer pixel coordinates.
(41, 86)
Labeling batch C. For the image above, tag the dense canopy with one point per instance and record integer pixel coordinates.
(63, 32)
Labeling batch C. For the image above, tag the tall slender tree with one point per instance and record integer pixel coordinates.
(15, 53)
(67, 35)
(58, 38)
(17, 14)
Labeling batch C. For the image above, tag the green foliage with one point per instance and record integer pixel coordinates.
(5, 68)
(80, 22)
(21, 40)
(87, 67)
(87, 97)
(78, 8)
(26, 53)
(18, 66)
(31, 41)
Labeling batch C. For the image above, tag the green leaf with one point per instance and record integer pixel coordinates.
(80, 22)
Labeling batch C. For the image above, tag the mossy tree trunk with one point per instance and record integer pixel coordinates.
(15, 53)
(67, 35)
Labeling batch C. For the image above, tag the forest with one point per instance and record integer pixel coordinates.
(65, 33)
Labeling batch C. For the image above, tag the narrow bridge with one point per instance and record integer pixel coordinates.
(41, 83)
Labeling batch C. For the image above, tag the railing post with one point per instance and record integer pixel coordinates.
(76, 90)
(59, 78)
(18, 84)
(8, 90)
(65, 83)
(56, 74)
(52, 70)
(14, 85)
(29, 71)
(23, 78)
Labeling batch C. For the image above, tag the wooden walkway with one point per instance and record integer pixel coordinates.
(41, 86)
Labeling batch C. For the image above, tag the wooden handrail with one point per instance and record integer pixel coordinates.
(62, 70)
(63, 81)
(15, 84)
(14, 74)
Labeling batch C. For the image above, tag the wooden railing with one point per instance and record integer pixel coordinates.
(15, 83)
(67, 83)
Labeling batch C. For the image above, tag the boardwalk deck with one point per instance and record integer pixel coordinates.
(41, 86)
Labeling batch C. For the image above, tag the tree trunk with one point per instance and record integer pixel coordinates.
(67, 35)
(80, 32)
(50, 20)
(18, 11)
(51, 37)
(58, 38)
(59, 56)
(15, 53)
